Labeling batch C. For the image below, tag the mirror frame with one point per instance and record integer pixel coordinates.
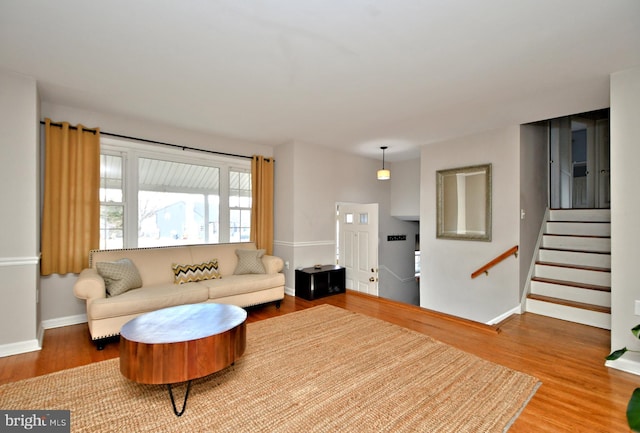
(440, 233)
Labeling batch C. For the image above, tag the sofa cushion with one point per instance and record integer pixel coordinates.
(119, 276)
(147, 298)
(239, 284)
(249, 262)
(199, 272)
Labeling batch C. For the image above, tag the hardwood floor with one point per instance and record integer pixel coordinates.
(578, 393)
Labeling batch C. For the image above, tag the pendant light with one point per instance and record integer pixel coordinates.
(383, 174)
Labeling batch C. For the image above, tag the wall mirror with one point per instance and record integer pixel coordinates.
(463, 202)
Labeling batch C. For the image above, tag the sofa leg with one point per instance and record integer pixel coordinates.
(100, 343)
(277, 305)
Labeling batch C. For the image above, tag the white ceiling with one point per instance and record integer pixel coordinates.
(353, 74)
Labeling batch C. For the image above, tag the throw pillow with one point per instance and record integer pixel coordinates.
(119, 276)
(200, 272)
(249, 262)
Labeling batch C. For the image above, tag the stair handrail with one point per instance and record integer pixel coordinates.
(485, 269)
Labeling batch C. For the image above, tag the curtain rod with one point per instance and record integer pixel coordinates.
(154, 141)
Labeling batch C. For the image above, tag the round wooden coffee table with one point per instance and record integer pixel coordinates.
(179, 344)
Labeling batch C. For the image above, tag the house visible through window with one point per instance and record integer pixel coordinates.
(181, 198)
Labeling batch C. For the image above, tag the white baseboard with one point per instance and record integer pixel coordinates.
(289, 291)
(19, 347)
(64, 321)
(500, 318)
(36, 344)
(628, 365)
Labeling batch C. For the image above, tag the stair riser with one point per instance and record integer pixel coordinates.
(577, 243)
(580, 215)
(574, 275)
(575, 258)
(587, 296)
(577, 315)
(579, 228)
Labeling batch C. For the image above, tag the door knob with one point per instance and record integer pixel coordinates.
(372, 280)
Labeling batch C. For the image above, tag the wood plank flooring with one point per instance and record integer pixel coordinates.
(578, 394)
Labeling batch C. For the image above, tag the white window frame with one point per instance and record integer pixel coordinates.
(131, 151)
(239, 208)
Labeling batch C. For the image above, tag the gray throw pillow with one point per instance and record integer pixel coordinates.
(119, 276)
(249, 262)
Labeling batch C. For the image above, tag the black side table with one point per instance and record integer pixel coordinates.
(314, 283)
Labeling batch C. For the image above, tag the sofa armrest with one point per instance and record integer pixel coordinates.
(90, 285)
(272, 264)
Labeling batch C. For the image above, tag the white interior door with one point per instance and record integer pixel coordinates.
(358, 246)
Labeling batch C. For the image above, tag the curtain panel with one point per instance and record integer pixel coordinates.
(71, 208)
(262, 202)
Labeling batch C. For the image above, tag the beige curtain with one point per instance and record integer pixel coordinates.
(262, 202)
(71, 211)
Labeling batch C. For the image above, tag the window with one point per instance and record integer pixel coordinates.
(239, 205)
(111, 202)
(176, 198)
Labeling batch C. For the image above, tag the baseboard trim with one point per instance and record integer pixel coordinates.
(628, 365)
(64, 321)
(500, 318)
(289, 291)
(19, 347)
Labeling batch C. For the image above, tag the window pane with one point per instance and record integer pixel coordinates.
(234, 225)
(178, 203)
(110, 178)
(239, 206)
(159, 175)
(239, 189)
(111, 226)
(111, 202)
(214, 219)
(167, 218)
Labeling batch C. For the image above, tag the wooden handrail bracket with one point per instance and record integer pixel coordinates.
(485, 269)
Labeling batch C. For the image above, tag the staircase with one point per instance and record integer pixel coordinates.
(572, 275)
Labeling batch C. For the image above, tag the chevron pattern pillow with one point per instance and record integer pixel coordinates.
(200, 272)
(119, 276)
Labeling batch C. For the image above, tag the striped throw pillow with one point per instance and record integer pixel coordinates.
(200, 272)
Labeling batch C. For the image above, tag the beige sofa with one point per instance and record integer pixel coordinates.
(106, 314)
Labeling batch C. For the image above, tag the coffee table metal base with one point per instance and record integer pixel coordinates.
(184, 403)
(179, 344)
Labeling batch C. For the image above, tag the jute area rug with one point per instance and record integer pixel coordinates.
(324, 369)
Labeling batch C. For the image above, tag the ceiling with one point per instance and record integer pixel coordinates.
(350, 74)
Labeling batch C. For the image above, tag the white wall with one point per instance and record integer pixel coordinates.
(446, 283)
(534, 175)
(405, 190)
(283, 235)
(59, 305)
(19, 235)
(625, 211)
